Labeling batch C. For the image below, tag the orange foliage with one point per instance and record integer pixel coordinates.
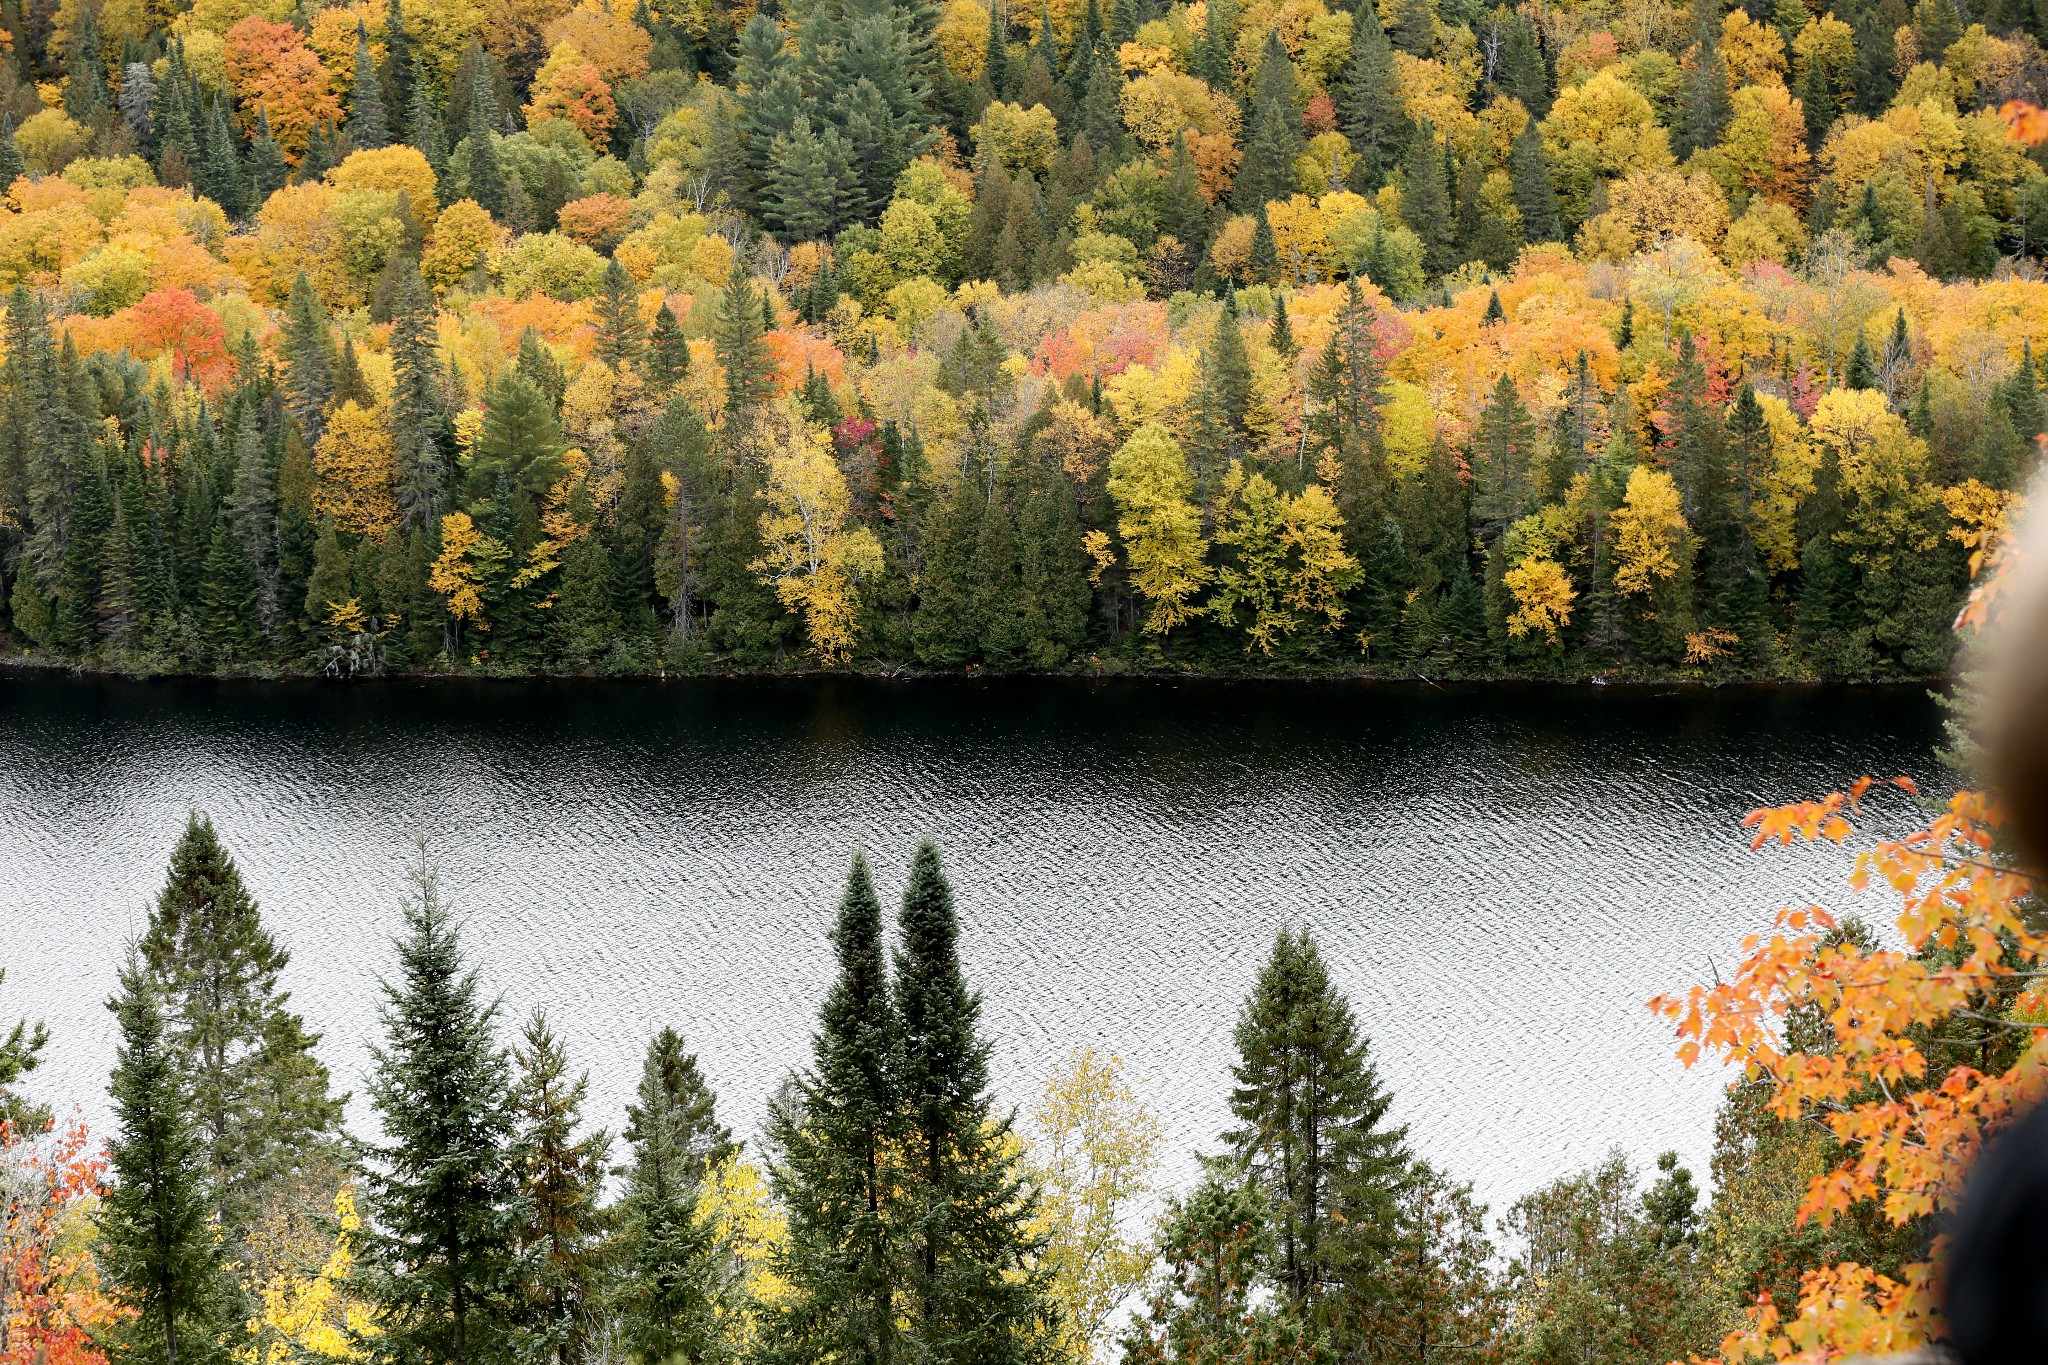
(1104, 341)
(174, 323)
(797, 353)
(598, 221)
(1907, 1145)
(51, 1306)
(2026, 122)
(616, 46)
(558, 322)
(277, 74)
(570, 86)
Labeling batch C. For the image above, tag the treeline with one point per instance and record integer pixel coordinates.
(888, 1209)
(1404, 337)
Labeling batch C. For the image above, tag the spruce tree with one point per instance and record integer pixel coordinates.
(442, 1268)
(1503, 452)
(420, 424)
(268, 170)
(621, 335)
(1535, 188)
(736, 335)
(20, 1053)
(1312, 1130)
(669, 350)
(311, 360)
(256, 1094)
(11, 168)
(946, 628)
(973, 1292)
(1705, 107)
(1426, 200)
(839, 1150)
(561, 1221)
(157, 1247)
(675, 1279)
(368, 127)
(228, 598)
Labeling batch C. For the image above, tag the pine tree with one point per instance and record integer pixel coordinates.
(367, 125)
(621, 334)
(676, 1280)
(736, 335)
(442, 1268)
(256, 1095)
(837, 1173)
(1312, 1131)
(561, 1221)
(156, 1245)
(971, 1291)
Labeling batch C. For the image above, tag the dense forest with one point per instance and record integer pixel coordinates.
(890, 1208)
(1416, 336)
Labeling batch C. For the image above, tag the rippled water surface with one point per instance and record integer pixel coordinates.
(1500, 876)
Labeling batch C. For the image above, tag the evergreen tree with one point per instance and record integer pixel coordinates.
(446, 1189)
(562, 1170)
(400, 72)
(256, 1096)
(669, 352)
(837, 1172)
(368, 127)
(425, 131)
(312, 362)
(268, 170)
(1368, 102)
(1426, 200)
(1503, 453)
(20, 1053)
(972, 1292)
(11, 168)
(227, 600)
(1705, 107)
(1861, 371)
(1415, 27)
(736, 335)
(420, 424)
(676, 1276)
(621, 335)
(1535, 188)
(156, 1244)
(1313, 1133)
(947, 627)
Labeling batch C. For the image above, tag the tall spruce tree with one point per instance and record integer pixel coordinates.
(838, 1164)
(974, 1294)
(561, 1218)
(257, 1096)
(621, 334)
(157, 1246)
(442, 1269)
(368, 125)
(1313, 1132)
(676, 1276)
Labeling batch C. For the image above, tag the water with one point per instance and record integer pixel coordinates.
(1499, 876)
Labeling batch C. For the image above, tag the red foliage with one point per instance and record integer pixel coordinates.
(174, 322)
(51, 1305)
(1320, 117)
(277, 74)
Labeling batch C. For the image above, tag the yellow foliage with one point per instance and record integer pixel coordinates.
(397, 169)
(355, 471)
(1161, 529)
(1754, 52)
(1649, 528)
(1543, 596)
(962, 39)
(315, 1315)
(467, 557)
(811, 556)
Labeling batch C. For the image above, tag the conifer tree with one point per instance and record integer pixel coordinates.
(837, 1169)
(1503, 449)
(561, 1221)
(368, 127)
(1281, 335)
(400, 72)
(1861, 370)
(676, 1280)
(311, 360)
(1705, 108)
(1535, 189)
(228, 598)
(156, 1245)
(669, 350)
(20, 1053)
(996, 68)
(256, 1094)
(1426, 200)
(268, 170)
(446, 1188)
(736, 335)
(1312, 1129)
(11, 167)
(424, 130)
(621, 334)
(420, 425)
(946, 628)
(972, 1292)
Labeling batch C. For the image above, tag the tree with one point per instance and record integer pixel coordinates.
(736, 337)
(20, 1053)
(156, 1245)
(442, 1268)
(256, 1097)
(1202, 1307)
(1369, 101)
(1161, 529)
(678, 1275)
(561, 1182)
(1313, 1134)
(367, 124)
(974, 1291)
(812, 556)
(837, 1167)
(1092, 1151)
(621, 334)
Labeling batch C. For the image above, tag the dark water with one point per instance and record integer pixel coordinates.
(1500, 876)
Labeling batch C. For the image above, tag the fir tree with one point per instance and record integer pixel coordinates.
(367, 125)
(227, 600)
(424, 130)
(676, 1280)
(621, 335)
(256, 1095)
(1312, 1130)
(736, 335)
(1281, 336)
(156, 1245)
(669, 352)
(1861, 370)
(1535, 189)
(442, 1268)
(11, 168)
(1503, 451)
(1705, 107)
(267, 171)
(561, 1221)
(20, 1053)
(311, 360)
(1426, 200)
(972, 1292)
(840, 1142)
(420, 424)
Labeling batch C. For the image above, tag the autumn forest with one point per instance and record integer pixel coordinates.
(1414, 338)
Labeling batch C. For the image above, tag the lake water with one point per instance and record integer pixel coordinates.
(1500, 876)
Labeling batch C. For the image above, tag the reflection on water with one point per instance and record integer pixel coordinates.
(1500, 876)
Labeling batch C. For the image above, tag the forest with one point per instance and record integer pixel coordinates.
(1607, 338)
(890, 1207)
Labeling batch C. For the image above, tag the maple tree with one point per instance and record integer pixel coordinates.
(52, 1310)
